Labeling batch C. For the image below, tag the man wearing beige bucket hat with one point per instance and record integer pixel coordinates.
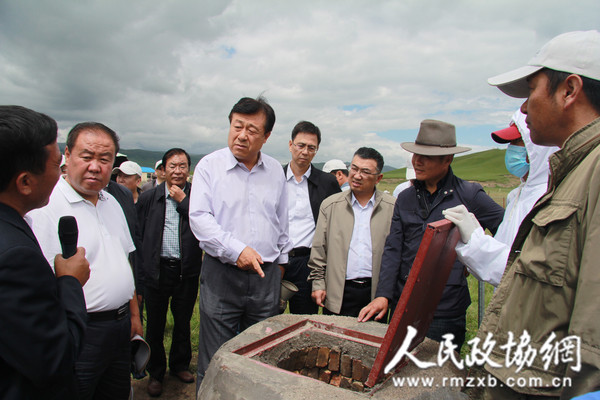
(434, 189)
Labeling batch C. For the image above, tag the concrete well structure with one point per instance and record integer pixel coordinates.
(232, 376)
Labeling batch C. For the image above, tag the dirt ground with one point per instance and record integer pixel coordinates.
(173, 388)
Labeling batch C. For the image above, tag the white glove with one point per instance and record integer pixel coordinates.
(463, 219)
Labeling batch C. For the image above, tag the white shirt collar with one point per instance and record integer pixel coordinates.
(290, 174)
(371, 200)
(232, 162)
(71, 194)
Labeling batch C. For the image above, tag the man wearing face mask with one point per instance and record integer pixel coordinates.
(485, 256)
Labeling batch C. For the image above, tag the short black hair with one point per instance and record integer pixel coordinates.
(24, 135)
(250, 106)
(591, 87)
(306, 127)
(91, 126)
(369, 153)
(174, 151)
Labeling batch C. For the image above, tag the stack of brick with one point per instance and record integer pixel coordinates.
(329, 366)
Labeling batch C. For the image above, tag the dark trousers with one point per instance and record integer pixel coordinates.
(103, 367)
(356, 296)
(296, 272)
(455, 325)
(182, 292)
(230, 301)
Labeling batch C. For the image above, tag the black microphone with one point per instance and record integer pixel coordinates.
(67, 233)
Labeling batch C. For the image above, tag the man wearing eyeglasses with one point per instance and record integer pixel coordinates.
(349, 238)
(307, 187)
(435, 189)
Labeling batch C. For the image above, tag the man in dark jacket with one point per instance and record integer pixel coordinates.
(125, 200)
(42, 314)
(307, 187)
(170, 266)
(434, 190)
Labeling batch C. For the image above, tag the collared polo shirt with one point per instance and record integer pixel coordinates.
(104, 234)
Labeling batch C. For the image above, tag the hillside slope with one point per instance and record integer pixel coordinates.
(485, 166)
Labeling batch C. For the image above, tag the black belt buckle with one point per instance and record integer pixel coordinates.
(170, 262)
(110, 315)
(299, 252)
(361, 281)
(122, 311)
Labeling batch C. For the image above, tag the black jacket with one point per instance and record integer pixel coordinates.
(151, 222)
(321, 185)
(42, 318)
(412, 212)
(125, 199)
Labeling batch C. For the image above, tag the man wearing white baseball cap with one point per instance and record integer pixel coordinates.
(129, 174)
(338, 169)
(549, 288)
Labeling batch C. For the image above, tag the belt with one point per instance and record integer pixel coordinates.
(299, 252)
(110, 315)
(359, 282)
(171, 262)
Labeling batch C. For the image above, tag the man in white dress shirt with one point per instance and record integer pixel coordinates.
(307, 187)
(239, 213)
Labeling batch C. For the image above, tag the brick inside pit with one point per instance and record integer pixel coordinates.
(337, 361)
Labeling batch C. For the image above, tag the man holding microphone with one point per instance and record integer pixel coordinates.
(43, 315)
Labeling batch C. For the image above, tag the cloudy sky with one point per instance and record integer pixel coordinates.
(166, 73)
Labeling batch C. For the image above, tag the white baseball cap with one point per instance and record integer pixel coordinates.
(333, 165)
(572, 52)
(158, 164)
(129, 168)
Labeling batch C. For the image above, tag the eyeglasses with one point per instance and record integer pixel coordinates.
(364, 172)
(183, 167)
(302, 146)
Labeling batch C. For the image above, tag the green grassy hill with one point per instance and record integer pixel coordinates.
(485, 166)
